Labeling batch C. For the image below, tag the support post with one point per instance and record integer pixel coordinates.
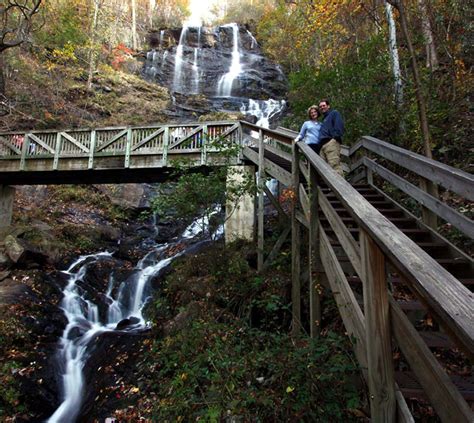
(7, 195)
(240, 217)
(428, 217)
(315, 265)
(261, 198)
(381, 379)
(295, 248)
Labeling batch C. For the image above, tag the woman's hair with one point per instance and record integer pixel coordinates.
(311, 108)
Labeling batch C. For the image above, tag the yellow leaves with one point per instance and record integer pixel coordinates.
(289, 389)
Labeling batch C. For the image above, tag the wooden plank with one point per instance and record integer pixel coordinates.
(438, 387)
(295, 252)
(128, 148)
(261, 205)
(351, 313)
(449, 177)
(278, 152)
(304, 201)
(300, 217)
(447, 298)
(74, 141)
(381, 379)
(166, 138)
(112, 140)
(271, 169)
(57, 151)
(352, 316)
(348, 243)
(41, 143)
(276, 135)
(12, 147)
(281, 213)
(148, 139)
(90, 163)
(277, 247)
(204, 145)
(185, 138)
(458, 220)
(304, 169)
(316, 273)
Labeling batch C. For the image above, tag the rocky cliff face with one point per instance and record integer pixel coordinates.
(224, 64)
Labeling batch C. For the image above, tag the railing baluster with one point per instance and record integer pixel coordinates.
(381, 379)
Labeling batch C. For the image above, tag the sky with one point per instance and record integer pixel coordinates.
(201, 11)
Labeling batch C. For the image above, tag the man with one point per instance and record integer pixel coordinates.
(330, 136)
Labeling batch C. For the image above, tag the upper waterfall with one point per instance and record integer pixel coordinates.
(213, 68)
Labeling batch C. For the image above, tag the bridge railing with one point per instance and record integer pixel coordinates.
(377, 250)
(22, 149)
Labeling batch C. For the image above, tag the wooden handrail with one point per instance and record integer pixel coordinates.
(452, 302)
(453, 179)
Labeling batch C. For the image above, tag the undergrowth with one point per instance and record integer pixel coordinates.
(229, 354)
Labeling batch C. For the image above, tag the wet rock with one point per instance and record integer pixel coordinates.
(124, 323)
(130, 196)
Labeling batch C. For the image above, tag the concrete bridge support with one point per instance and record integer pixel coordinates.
(7, 195)
(240, 217)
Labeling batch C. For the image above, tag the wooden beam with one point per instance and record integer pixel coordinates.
(74, 141)
(458, 220)
(348, 243)
(41, 143)
(148, 139)
(381, 379)
(261, 204)
(316, 271)
(277, 247)
(112, 140)
(451, 178)
(295, 251)
(12, 147)
(438, 387)
(304, 201)
(447, 298)
(281, 213)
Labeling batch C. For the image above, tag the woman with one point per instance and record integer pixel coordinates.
(310, 130)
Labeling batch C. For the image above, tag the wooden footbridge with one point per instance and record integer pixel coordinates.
(403, 291)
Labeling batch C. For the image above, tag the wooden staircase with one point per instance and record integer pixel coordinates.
(448, 256)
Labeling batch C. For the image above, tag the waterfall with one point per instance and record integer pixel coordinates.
(263, 110)
(84, 325)
(195, 67)
(178, 60)
(224, 87)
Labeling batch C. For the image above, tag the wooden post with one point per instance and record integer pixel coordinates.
(315, 266)
(57, 151)
(427, 216)
(166, 139)
(378, 338)
(295, 248)
(128, 148)
(90, 164)
(261, 183)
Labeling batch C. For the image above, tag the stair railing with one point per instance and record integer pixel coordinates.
(380, 244)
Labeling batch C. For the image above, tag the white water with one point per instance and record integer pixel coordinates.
(178, 60)
(195, 67)
(263, 110)
(224, 87)
(83, 316)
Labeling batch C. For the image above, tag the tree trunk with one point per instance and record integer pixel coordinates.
(392, 39)
(134, 25)
(2, 78)
(416, 79)
(428, 217)
(432, 61)
(93, 38)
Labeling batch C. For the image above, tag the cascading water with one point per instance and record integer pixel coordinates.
(84, 324)
(195, 67)
(178, 61)
(263, 110)
(224, 88)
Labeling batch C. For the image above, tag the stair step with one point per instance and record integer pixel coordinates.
(436, 339)
(411, 388)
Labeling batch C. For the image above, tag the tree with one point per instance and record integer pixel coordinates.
(392, 35)
(17, 18)
(432, 61)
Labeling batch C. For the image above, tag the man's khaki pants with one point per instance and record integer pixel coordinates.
(331, 153)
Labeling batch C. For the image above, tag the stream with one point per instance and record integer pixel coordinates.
(120, 310)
